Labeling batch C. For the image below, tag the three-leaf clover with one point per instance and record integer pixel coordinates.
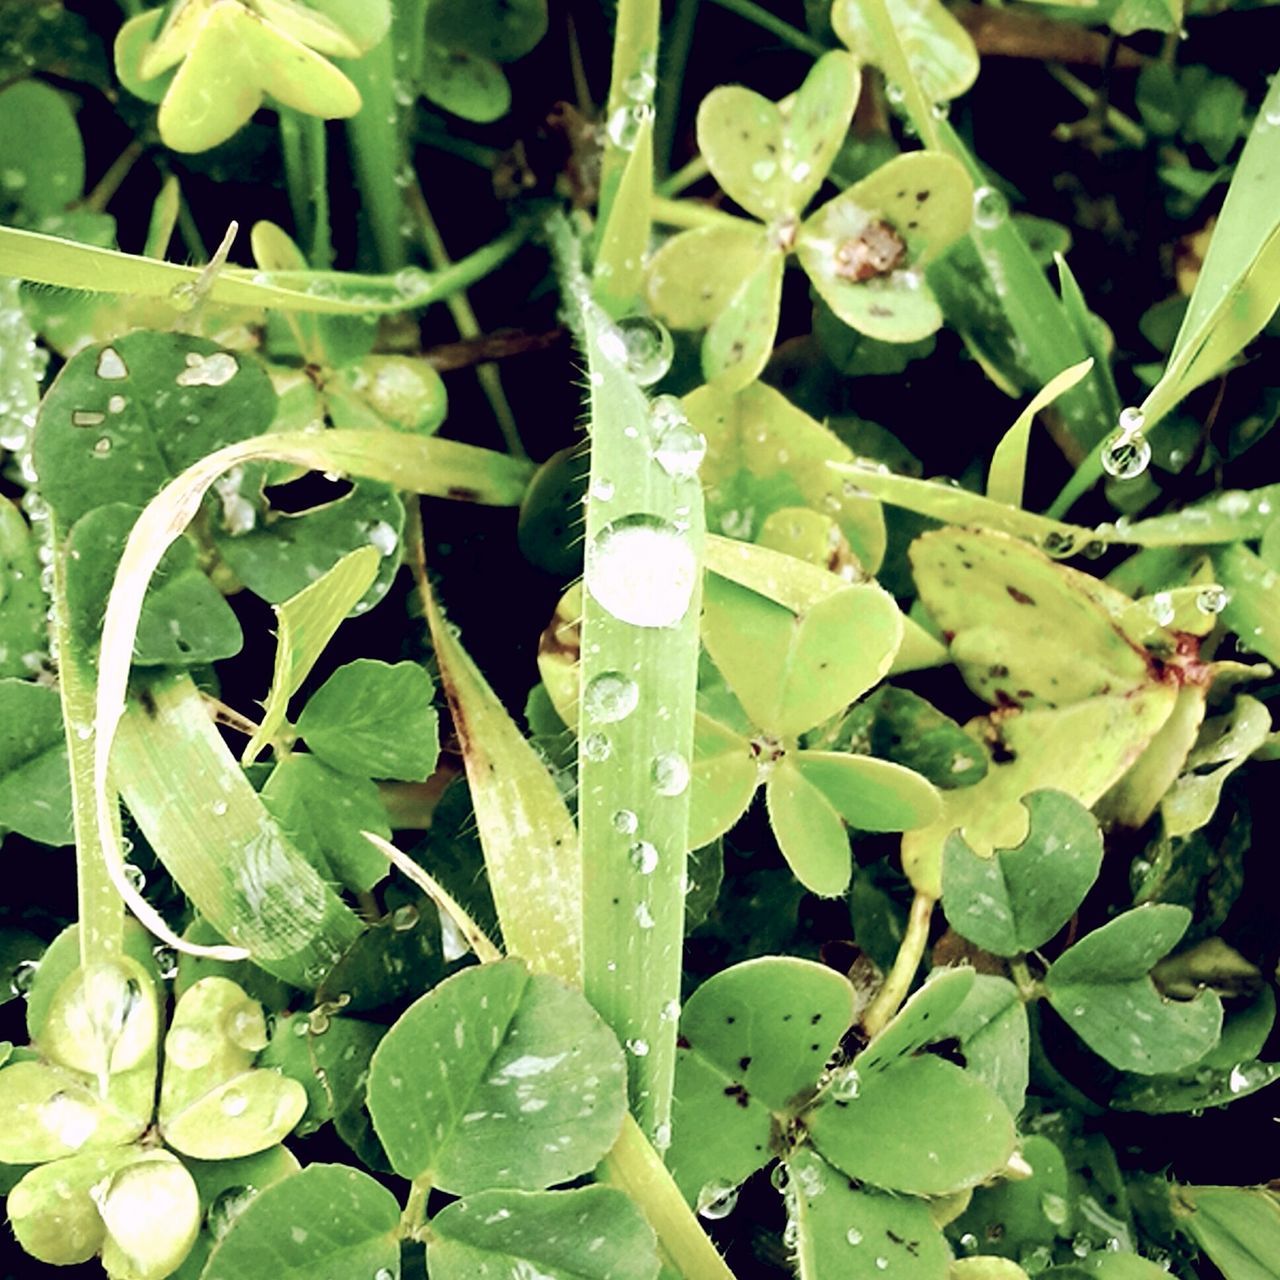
(752, 1086)
(863, 250)
(79, 1106)
(789, 669)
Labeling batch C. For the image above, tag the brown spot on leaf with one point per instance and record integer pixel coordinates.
(875, 251)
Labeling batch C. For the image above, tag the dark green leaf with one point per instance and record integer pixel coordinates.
(35, 782)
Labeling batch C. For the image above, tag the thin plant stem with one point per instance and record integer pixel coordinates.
(109, 183)
(683, 178)
(693, 213)
(771, 23)
(910, 952)
(1121, 125)
(671, 68)
(464, 318)
(414, 1216)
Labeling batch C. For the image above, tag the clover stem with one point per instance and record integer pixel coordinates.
(693, 213)
(771, 23)
(304, 145)
(674, 58)
(684, 177)
(898, 983)
(1028, 987)
(464, 318)
(635, 1167)
(414, 1216)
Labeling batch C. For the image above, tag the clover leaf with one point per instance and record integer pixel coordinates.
(228, 57)
(863, 251)
(79, 1109)
(1102, 989)
(790, 670)
(752, 1084)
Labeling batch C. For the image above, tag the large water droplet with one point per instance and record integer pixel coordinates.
(647, 348)
(234, 1103)
(670, 773)
(642, 571)
(625, 822)
(214, 370)
(609, 697)
(989, 208)
(717, 1199)
(110, 366)
(596, 748)
(1131, 419)
(1125, 454)
(846, 1086)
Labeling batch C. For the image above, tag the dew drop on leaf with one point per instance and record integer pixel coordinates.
(234, 1103)
(625, 822)
(111, 367)
(609, 697)
(214, 370)
(642, 571)
(226, 1208)
(644, 857)
(853, 1236)
(846, 1086)
(1054, 1207)
(384, 537)
(70, 1121)
(678, 448)
(1212, 600)
(1125, 454)
(647, 348)
(717, 1200)
(670, 773)
(23, 975)
(1160, 606)
(989, 208)
(640, 1048)
(596, 748)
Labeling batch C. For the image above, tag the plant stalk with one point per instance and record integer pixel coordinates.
(910, 952)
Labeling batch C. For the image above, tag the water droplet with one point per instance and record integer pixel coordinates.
(102, 446)
(404, 917)
(110, 366)
(764, 169)
(602, 490)
(71, 1121)
(214, 370)
(846, 1086)
(234, 1103)
(87, 418)
(596, 748)
(717, 1200)
(644, 857)
(1212, 599)
(383, 1273)
(642, 571)
(1160, 607)
(662, 1137)
(1239, 1079)
(23, 975)
(644, 917)
(1054, 1207)
(989, 208)
(679, 449)
(940, 110)
(219, 807)
(624, 123)
(1058, 544)
(135, 876)
(625, 822)
(609, 697)
(226, 1208)
(968, 1242)
(647, 348)
(1082, 1246)
(1272, 116)
(384, 537)
(670, 773)
(1125, 454)
(188, 1048)
(895, 93)
(882, 1264)
(853, 1236)
(640, 86)
(166, 959)
(640, 1048)
(1131, 419)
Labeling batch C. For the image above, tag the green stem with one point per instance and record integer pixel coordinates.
(464, 317)
(683, 178)
(1087, 474)
(414, 1216)
(99, 907)
(379, 152)
(674, 59)
(109, 183)
(635, 58)
(910, 952)
(774, 25)
(304, 145)
(692, 213)
(635, 1167)
(1120, 124)
(1027, 986)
